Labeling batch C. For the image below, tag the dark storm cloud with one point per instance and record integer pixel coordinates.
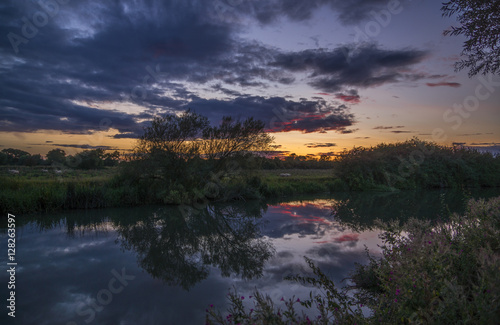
(58, 67)
(279, 114)
(144, 52)
(268, 11)
(33, 112)
(363, 66)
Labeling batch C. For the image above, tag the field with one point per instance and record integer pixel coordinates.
(300, 181)
(48, 173)
(297, 174)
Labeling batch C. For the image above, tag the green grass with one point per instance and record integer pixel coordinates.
(35, 190)
(297, 174)
(49, 173)
(300, 181)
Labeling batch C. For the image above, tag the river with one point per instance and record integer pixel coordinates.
(165, 265)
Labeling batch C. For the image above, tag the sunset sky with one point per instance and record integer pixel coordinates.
(323, 75)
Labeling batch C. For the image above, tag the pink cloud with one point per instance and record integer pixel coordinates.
(347, 237)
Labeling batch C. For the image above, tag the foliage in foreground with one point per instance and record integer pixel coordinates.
(427, 274)
(480, 24)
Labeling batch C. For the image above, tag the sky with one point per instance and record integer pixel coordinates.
(323, 75)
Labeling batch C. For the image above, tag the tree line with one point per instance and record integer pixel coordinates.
(87, 159)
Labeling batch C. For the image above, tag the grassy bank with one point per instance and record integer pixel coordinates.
(444, 273)
(41, 195)
(35, 190)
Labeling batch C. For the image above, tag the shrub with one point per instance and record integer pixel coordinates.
(415, 163)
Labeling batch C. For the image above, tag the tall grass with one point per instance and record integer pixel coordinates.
(29, 194)
(21, 195)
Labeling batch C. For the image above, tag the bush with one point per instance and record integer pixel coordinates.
(416, 164)
(438, 274)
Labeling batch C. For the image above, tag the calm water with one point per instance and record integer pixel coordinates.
(156, 265)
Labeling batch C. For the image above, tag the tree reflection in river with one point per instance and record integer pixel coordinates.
(179, 248)
(359, 210)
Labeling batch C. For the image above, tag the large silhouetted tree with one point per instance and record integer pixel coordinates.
(480, 24)
(233, 136)
(174, 135)
(171, 144)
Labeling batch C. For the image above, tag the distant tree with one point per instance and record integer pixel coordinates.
(15, 156)
(56, 156)
(31, 160)
(111, 159)
(90, 159)
(325, 158)
(480, 23)
(4, 158)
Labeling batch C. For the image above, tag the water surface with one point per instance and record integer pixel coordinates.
(161, 265)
